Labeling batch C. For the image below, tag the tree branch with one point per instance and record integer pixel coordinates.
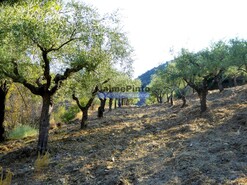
(90, 101)
(58, 78)
(191, 84)
(105, 81)
(63, 44)
(16, 77)
(77, 102)
(58, 48)
(38, 81)
(46, 69)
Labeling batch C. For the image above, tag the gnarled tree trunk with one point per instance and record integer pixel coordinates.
(101, 108)
(202, 91)
(84, 118)
(44, 124)
(85, 108)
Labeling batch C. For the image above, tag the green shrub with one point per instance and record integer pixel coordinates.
(70, 114)
(58, 114)
(22, 131)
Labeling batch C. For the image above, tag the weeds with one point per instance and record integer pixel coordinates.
(7, 180)
(42, 162)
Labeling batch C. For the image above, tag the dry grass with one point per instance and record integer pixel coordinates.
(8, 177)
(42, 162)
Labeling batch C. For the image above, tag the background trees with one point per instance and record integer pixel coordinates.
(238, 50)
(203, 70)
(158, 88)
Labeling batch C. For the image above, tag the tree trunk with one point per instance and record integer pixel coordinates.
(110, 104)
(171, 99)
(157, 98)
(203, 99)
(235, 81)
(127, 102)
(167, 98)
(119, 103)
(184, 101)
(101, 108)
(220, 85)
(115, 103)
(44, 124)
(84, 118)
(3, 92)
(85, 108)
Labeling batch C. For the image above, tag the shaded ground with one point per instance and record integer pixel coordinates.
(148, 145)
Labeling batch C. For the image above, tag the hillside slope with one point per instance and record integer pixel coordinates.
(146, 77)
(156, 144)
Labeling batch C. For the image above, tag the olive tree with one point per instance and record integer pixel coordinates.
(202, 70)
(55, 40)
(238, 50)
(84, 87)
(157, 88)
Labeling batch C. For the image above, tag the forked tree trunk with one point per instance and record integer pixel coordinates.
(85, 109)
(3, 92)
(160, 99)
(202, 92)
(44, 124)
(84, 118)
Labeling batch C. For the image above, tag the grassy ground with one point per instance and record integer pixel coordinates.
(155, 144)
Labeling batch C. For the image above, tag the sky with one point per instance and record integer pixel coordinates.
(158, 29)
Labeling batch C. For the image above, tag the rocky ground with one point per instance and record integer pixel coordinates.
(155, 145)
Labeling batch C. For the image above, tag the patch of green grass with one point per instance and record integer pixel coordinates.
(22, 131)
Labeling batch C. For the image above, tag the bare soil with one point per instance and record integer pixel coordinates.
(158, 145)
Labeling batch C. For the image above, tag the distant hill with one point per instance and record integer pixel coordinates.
(146, 77)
